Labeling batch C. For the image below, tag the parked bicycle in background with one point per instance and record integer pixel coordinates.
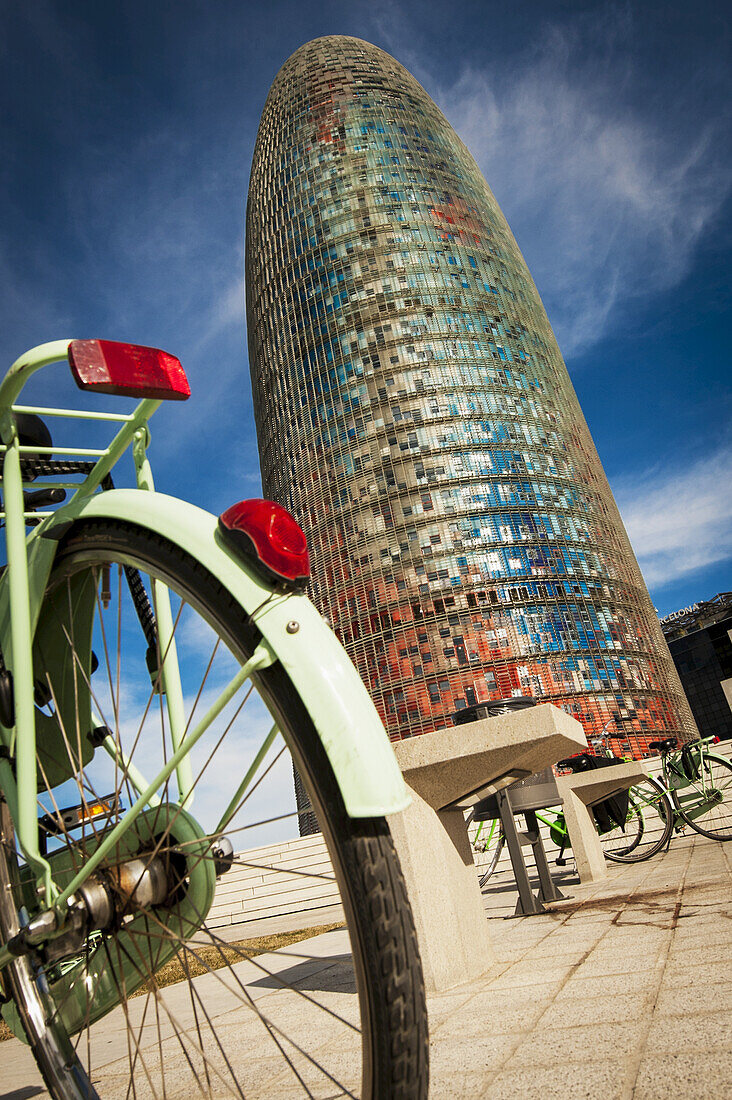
(695, 790)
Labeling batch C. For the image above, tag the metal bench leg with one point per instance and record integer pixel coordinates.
(527, 904)
(547, 889)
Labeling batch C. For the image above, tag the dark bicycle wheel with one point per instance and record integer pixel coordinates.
(342, 1013)
(704, 799)
(647, 827)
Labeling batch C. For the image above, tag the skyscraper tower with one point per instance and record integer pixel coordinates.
(414, 412)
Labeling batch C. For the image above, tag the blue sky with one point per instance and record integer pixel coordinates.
(601, 128)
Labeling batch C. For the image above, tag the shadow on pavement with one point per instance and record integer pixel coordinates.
(332, 974)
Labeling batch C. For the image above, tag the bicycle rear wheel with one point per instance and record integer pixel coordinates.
(342, 1013)
(487, 840)
(492, 854)
(647, 828)
(705, 802)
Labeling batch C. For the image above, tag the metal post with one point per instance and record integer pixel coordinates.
(547, 890)
(527, 903)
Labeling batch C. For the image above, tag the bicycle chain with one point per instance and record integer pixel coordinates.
(38, 467)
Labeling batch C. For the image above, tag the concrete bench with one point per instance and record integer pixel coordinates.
(581, 791)
(447, 772)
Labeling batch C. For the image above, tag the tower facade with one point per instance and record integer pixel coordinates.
(414, 413)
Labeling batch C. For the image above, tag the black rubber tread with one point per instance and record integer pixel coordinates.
(53, 467)
(143, 607)
(694, 823)
(631, 846)
(398, 1001)
(378, 913)
(58, 1066)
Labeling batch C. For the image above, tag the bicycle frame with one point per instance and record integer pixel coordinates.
(680, 809)
(292, 630)
(689, 805)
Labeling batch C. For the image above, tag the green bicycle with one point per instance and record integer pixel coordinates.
(696, 791)
(161, 671)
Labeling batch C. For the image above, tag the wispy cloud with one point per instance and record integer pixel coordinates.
(171, 272)
(227, 311)
(679, 520)
(608, 197)
(173, 233)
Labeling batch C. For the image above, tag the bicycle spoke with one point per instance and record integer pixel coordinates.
(179, 1030)
(270, 1026)
(148, 955)
(181, 956)
(222, 946)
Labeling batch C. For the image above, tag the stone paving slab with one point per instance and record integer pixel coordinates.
(622, 993)
(633, 988)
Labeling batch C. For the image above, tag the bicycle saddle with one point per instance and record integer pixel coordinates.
(667, 745)
(585, 762)
(32, 432)
(577, 763)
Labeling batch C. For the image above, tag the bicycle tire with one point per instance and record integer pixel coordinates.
(387, 1055)
(715, 778)
(650, 820)
(496, 851)
(494, 847)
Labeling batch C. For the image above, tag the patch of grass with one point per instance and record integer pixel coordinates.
(208, 958)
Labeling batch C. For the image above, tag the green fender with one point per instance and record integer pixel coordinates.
(342, 711)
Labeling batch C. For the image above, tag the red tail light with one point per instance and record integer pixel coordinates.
(269, 538)
(128, 370)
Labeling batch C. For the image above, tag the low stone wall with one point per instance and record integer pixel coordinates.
(295, 876)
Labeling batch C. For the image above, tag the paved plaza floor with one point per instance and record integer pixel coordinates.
(623, 991)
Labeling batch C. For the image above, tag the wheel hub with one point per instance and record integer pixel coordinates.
(126, 920)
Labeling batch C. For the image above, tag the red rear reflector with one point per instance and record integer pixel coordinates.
(128, 370)
(269, 538)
